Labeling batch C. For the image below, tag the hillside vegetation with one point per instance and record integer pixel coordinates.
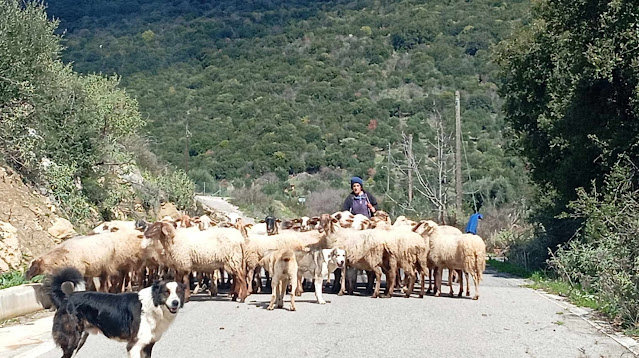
(287, 87)
(74, 136)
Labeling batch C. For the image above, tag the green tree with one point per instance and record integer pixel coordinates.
(571, 90)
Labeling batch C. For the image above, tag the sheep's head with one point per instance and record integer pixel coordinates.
(36, 268)
(239, 225)
(382, 215)
(272, 225)
(425, 227)
(326, 223)
(158, 232)
(365, 224)
(141, 225)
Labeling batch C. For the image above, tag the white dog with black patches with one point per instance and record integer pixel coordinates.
(139, 319)
(318, 265)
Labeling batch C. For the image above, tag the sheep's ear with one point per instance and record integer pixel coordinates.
(169, 233)
(248, 226)
(278, 221)
(262, 221)
(335, 221)
(114, 229)
(337, 216)
(297, 220)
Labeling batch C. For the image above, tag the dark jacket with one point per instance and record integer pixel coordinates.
(350, 199)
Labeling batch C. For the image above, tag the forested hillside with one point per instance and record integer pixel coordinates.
(75, 137)
(291, 86)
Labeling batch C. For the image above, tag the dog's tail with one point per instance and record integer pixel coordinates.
(56, 291)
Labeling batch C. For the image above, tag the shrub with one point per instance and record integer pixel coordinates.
(603, 257)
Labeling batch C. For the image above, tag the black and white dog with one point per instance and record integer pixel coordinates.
(137, 318)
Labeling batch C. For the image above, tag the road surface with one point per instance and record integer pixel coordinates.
(507, 321)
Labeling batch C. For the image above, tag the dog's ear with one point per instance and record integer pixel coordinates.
(156, 294)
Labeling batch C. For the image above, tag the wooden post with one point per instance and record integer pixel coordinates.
(458, 161)
(411, 167)
(186, 148)
(388, 169)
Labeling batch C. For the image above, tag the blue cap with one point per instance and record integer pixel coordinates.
(357, 180)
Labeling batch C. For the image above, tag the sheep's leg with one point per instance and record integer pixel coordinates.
(299, 289)
(410, 275)
(198, 279)
(187, 283)
(239, 283)
(250, 276)
(422, 287)
(467, 285)
(258, 279)
(438, 281)
(390, 277)
(213, 289)
(431, 274)
(461, 283)
(234, 290)
(370, 280)
(378, 283)
(450, 282)
(476, 279)
(294, 282)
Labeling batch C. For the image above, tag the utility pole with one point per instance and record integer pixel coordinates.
(186, 143)
(388, 169)
(458, 161)
(411, 167)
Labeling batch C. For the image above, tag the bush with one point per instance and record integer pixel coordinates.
(66, 190)
(325, 201)
(173, 186)
(16, 278)
(603, 257)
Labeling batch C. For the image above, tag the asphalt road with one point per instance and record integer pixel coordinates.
(507, 321)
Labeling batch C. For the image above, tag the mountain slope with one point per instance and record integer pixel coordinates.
(291, 86)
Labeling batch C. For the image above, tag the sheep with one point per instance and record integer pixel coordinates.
(203, 222)
(451, 249)
(348, 220)
(233, 217)
(115, 225)
(365, 250)
(258, 245)
(103, 255)
(190, 249)
(473, 249)
(411, 252)
(404, 222)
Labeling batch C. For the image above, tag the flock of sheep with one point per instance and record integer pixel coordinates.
(124, 255)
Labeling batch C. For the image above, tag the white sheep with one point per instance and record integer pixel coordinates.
(451, 249)
(410, 250)
(190, 249)
(105, 255)
(365, 250)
